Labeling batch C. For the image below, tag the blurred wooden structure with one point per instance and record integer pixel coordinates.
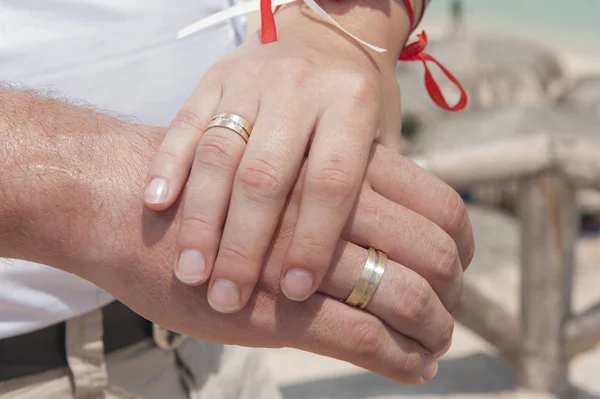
(548, 169)
(489, 125)
(583, 95)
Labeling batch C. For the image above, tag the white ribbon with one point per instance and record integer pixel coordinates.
(254, 5)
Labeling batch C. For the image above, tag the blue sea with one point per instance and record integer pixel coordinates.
(568, 22)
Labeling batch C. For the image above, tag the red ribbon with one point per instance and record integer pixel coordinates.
(414, 52)
(267, 19)
(410, 52)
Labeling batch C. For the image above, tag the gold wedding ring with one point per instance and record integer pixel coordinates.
(369, 279)
(233, 122)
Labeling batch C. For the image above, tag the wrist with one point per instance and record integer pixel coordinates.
(383, 23)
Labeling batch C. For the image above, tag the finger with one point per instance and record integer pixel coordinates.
(406, 236)
(404, 182)
(336, 166)
(171, 165)
(268, 169)
(320, 325)
(330, 328)
(409, 239)
(403, 299)
(209, 191)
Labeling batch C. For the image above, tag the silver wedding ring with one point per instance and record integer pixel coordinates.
(369, 279)
(232, 122)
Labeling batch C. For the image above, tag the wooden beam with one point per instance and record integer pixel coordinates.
(549, 229)
(500, 160)
(490, 321)
(516, 158)
(583, 331)
(578, 159)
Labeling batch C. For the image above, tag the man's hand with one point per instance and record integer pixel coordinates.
(71, 198)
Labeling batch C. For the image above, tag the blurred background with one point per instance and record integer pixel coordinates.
(526, 158)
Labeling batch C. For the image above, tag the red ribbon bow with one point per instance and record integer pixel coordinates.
(414, 52)
(411, 52)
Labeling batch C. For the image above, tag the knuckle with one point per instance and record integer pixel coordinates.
(443, 335)
(451, 301)
(168, 159)
(470, 253)
(261, 180)
(183, 134)
(309, 250)
(377, 215)
(237, 260)
(447, 267)
(415, 300)
(312, 243)
(446, 334)
(192, 228)
(234, 253)
(454, 213)
(254, 67)
(215, 151)
(188, 119)
(363, 91)
(297, 68)
(409, 370)
(332, 182)
(219, 71)
(367, 337)
(195, 221)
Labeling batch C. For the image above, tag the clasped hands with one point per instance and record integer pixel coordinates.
(293, 209)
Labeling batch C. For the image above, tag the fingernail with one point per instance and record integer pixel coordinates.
(224, 296)
(191, 267)
(430, 367)
(297, 284)
(156, 192)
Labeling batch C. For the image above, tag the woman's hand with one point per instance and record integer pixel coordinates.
(313, 94)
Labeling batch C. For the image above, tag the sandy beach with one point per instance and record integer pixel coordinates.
(471, 369)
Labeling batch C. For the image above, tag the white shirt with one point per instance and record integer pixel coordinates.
(119, 55)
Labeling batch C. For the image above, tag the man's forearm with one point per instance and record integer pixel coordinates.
(71, 193)
(72, 199)
(56, 158)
